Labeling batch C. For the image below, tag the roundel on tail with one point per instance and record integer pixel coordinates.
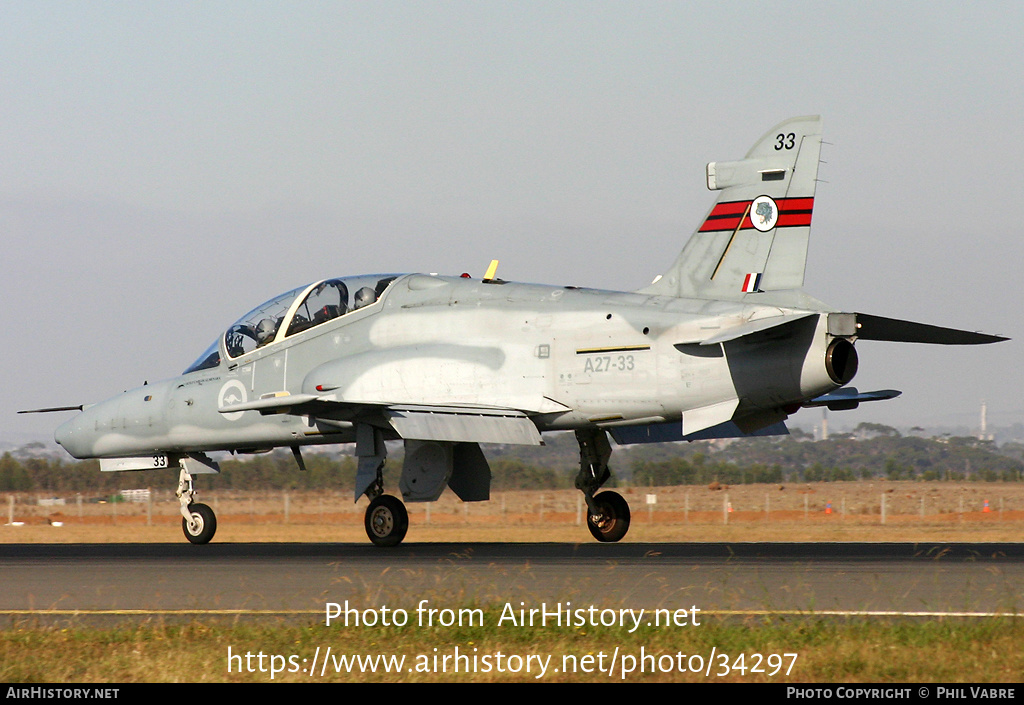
(764, 213)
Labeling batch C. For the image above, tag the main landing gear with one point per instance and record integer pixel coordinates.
(386, 520)
(611, 520)
(608, 512)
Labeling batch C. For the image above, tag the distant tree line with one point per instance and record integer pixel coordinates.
(839, 459)
(758, 460)
(270, 471)
(699, 470)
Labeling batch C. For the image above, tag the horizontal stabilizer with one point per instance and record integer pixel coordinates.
(897, 331)
(849, 398)
(668, 432)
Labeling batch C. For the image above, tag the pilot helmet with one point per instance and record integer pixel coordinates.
(265, 331)
(364, 297)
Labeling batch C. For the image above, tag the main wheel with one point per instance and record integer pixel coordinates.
(386, 521)
(203, 525)
(613, 521)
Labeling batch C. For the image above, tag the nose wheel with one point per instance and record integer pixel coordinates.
(201, 524)
(386, 521)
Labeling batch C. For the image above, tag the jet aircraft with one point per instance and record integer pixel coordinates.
(725, 343)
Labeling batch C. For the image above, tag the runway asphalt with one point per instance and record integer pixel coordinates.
(58, 582)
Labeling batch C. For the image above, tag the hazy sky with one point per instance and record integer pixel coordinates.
(166, 166)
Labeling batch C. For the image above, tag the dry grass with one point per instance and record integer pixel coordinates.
(913, 512)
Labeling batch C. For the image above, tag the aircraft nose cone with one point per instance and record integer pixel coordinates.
(68, 435)
(64, 433)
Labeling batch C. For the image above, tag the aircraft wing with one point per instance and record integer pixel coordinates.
(411, 421)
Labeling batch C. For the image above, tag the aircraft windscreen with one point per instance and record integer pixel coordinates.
(208, 360)
(259, 327)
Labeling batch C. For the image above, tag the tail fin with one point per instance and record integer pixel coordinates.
(755, 237)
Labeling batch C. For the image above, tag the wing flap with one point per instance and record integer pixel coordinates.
(463, 425)
(696, 420)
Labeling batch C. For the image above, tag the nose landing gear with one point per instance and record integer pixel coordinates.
(198, 522)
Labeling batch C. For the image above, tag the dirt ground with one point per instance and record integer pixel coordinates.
(855, 511)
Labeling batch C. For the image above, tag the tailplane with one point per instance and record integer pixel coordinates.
(755, 237)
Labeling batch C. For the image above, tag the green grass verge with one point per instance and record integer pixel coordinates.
(828, 650)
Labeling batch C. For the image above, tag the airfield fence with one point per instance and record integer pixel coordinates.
(876, 503)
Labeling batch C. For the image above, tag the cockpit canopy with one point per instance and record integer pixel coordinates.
(292, 313)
